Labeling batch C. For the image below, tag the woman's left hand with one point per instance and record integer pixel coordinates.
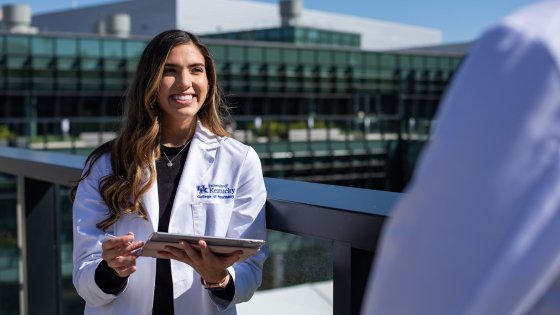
(209, 266)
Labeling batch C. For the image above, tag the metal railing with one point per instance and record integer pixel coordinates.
(350, 218)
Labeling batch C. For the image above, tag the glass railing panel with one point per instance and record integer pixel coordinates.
(297, 277)
(9, 268)
(71, 302)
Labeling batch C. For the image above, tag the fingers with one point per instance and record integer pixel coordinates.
(190, 251)
(182, 254)
(125, 260)
(118, 241)
(127, 270)
(204, 250)
(230, 260)
(123, 250)
(227, 261)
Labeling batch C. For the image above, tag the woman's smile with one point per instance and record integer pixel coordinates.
(184, 99)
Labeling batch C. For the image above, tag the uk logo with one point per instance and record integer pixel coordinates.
(202, 189)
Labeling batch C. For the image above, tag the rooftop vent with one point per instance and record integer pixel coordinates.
(290, 12)
(118, 25)
(17, 19)
(114, 25)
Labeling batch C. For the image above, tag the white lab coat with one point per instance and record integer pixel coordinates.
(212, 160)
(479, 231)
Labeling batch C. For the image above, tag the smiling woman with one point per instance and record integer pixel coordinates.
(172, 141)
(183, 89)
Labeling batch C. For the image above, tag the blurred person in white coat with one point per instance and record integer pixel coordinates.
(172, 168)
(478, 232)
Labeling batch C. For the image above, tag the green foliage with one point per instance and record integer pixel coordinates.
(5, 133)
(7, 240)
(273, 128)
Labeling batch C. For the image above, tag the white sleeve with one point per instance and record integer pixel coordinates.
(478, 230)
(248, 221)
(89, 209)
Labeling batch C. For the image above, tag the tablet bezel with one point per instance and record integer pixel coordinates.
(210, 240)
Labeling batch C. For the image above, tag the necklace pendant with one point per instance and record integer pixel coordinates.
(169, 164)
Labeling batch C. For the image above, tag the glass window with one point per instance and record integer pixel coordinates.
(17, 62)
(42, 45)
(388, 60)
(274, 35)
(405, 61)
(372, 59)
(418, 62)
(300, 35)
(131, 65)
(431, 62)
(287, 35)
(324, 57)
(42, 62)
(90, 47)
(341, 58)
(66, 63)
(455, 62)
(254, 54)
(335, 39)
(291, 56)
(356, 58)
(17, 44)
(218, 52)
(272, 54)
(356, 41)
(90, 64)
(1, 44)
(313, 37)
(308, 57)
(66, 46)
(444, 63)
(112, 48)
(112, 64)
(134, 48)
(261, 35)
(235, 53)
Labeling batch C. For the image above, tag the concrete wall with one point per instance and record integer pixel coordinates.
(150, 17)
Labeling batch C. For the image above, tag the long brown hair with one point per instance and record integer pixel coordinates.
(136, 146)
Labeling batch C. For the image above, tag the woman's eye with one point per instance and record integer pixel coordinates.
(198, 70)
(168, 70)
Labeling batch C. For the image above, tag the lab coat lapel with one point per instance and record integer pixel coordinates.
(200, 159)
(151, 204)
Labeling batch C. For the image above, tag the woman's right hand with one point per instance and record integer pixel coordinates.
(121, 252)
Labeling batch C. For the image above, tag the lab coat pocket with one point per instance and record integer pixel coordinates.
(211, 219)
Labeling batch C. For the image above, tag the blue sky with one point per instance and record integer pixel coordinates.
(459, 20)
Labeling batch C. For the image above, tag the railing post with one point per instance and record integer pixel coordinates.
(22, 246)
(342, 278)
(351, 273)
(42, 249)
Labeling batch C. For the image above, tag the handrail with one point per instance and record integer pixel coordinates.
(351, 218)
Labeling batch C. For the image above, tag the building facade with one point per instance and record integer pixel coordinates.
(331, 115)
(219, 16)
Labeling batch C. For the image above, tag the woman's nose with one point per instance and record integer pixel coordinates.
(184, 81)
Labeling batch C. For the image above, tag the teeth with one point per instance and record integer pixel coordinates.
(182, 97)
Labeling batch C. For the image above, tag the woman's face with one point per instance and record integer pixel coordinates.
(184, 84)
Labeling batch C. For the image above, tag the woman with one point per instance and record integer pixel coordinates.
(159, 175)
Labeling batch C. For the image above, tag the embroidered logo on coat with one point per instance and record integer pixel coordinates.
(221, 191)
